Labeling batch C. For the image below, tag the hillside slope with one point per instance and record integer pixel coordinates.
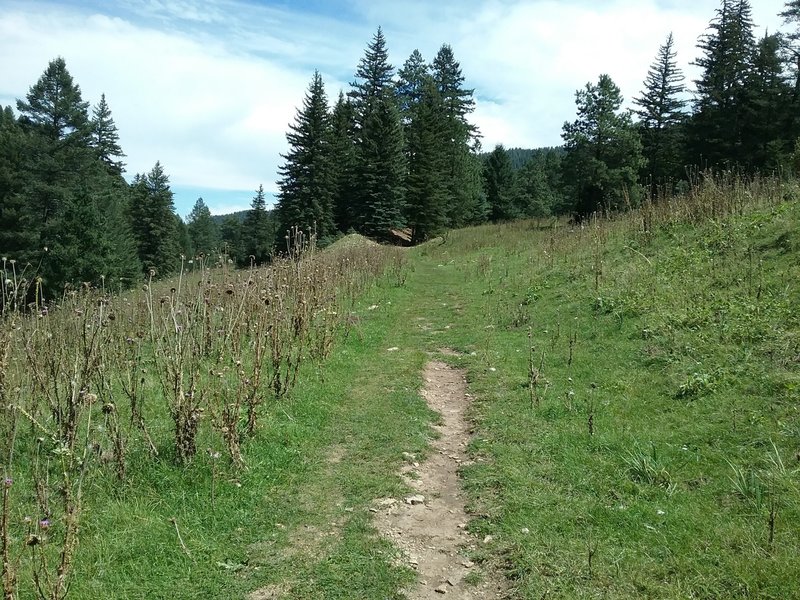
(638, 386)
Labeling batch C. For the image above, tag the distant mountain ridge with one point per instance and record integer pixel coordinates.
(239, 216)
(520, 156)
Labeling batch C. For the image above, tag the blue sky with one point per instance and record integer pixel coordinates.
(209, 87)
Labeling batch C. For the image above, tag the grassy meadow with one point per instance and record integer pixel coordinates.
(224, 435)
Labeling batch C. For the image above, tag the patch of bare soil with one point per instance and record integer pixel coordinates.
(429, 525)
(270, 592)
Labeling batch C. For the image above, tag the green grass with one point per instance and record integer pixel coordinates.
(685, 360)
(662, 436)
(298, 517)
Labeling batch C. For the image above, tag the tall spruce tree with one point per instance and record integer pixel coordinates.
(154, 223)
(661, 115)
(769, 130)
(203, 231)
(343, 162)
(533, 195)
(54, 105)
(232, 244)
(307, 181)
(720, 107)
(791, 16)
(604, 151)
(258, 232)
(499, 182)
(411, 80)
(56, 116)
(380, 164)
(16, 228)
(72, 203)
(105, 137)
(461, 175)
(425, 191)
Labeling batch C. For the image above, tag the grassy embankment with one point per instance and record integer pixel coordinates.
(638, 386)
(636, 424)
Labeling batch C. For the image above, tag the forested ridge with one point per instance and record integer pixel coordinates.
(396, 150)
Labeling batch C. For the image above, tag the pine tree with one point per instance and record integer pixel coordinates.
(373, 77)
(661, 116)
(154, 223)
(791, 16)
(380, 172)
(54, 105)
(499, 185)
(380, 164)
(92, 241)
(16, 228)
(258, 233)
(716, 127)
(56, 118)
(121, 266)
(232, 244)
(343, 162)
(534, 197)
(769, 129)
(465, 202)
(411, 82)
(425, 190)
(203, 231)
(185, 246)
(604, 152)
(105, 138)
(307, 182)
(62, 212)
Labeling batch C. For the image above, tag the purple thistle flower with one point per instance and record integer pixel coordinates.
(44, 523)
(8, 482)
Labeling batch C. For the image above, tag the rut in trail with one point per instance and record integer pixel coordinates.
(429, 526)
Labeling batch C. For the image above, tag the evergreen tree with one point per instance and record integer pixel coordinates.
(791, 16)
(62, 213)
(769, 129)
(661, 116)
(56, 117)
(54, 105)
(16, 228)
(380, 172)
(307, 182)
(604, 152)
(410, 86)
(258, 233)
(154, 223)
(380, 165)
(425, 190)
(185, 248)
(203, 230)
(373, 77)
(534, 197)
(499, 184)
(105, 138)
(720, 107)
(230, 232)
(465, 201)
(343, 162)
(117, 245)
(92, 241)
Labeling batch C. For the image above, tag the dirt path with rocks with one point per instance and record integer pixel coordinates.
(429, 525)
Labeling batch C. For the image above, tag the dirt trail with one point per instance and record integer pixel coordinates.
(429, 525)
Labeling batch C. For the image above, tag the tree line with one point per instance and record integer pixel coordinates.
(395, 151)
(743, 116)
